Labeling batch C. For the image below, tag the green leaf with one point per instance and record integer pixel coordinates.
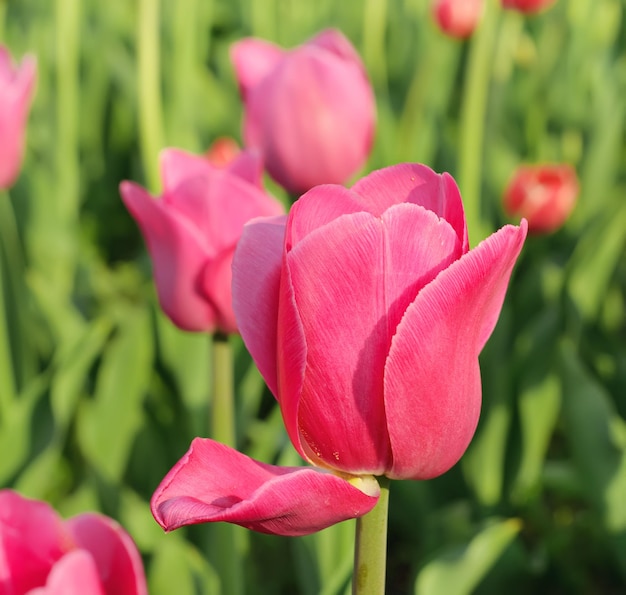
(459, 570)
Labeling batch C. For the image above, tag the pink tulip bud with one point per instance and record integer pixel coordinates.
(309, 110)
(527, 6)
(192, 229)
(40, 554)
(365, 311)
(458, 18)
(545, 195)
(17, 86)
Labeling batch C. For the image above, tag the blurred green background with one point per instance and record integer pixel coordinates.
(100, 394)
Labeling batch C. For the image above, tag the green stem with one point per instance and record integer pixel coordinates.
(370, 548)
(473, 115)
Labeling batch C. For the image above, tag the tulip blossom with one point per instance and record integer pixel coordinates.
(17, 85)
(309, 110)
(458, 18)
(192, 229)
(222, 151)
(545, 195)
(40, 554)
(527, 6)
(365, 311)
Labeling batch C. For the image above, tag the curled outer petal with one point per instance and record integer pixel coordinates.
(213, 482)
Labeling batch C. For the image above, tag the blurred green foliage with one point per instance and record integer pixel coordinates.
(100, 394)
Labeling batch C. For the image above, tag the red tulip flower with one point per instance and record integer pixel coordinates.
(192, 229)
(365, 312)
(545, 195)
(17, 85)
(222, 151)
(458, 18)
(527, 6)
(309, 110)
(40, 554)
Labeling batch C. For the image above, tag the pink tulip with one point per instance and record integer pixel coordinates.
(17, 86)
(310, 110)
(545, 195)
(365, 312)
(458, 18)
(192, 229)
(527, 6)
(89, 554)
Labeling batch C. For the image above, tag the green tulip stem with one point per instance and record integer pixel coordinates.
(225, 537)
(7, 384)
(370, 547)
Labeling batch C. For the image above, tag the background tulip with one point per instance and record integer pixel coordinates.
(17, 85)
(543, 194)
(458, 18)
(365, 312)
(309, 110)
(192, 229)
(527, 6)
(89, 554)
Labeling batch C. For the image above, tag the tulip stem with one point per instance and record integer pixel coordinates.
(370, 547)
(225, 537)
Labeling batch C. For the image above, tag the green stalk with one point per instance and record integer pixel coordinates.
(7, 378)
(225, 537)
(370, 547)
(149, 81)
(473, 115)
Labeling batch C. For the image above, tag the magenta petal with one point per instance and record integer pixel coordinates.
(177, 166)
(216, 282)
(213, 482)
(248, 165)
(253, 60)
(74, 574)
(432, 377)
(334, 41)
(116, 557)
(256, 281)
(32, 539)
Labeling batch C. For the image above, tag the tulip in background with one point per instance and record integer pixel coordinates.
(222, 151)
(309, 110)
(527, 6)
(545, 195)
(17, 86)
(458, 18)
(40, 554)
(192, 229)
(365, 312)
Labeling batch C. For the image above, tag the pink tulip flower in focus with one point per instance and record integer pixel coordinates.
(545, 195)
(365, 311)
(192, 229)
(458, 18)
(40, 554)
(527, 6)
(309, 110)
(17, 86)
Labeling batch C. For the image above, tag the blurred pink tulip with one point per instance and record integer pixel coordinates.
(365, 312)
(222, 151)
(192, 229)
(545, 195)
(527, 6)
(17, 86)
(40, 554)
(458, 18)
(309, 110)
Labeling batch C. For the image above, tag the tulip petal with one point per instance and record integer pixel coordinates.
(337, 43)
(213, 482)
(256, 281)
(432, 377)
(253, 60)
(177, 166)
(115, 555)
(178, 255)
(74, 574)
(248, 165)
(216, 282)
(418, 184)
(357, 268)
(32, 539)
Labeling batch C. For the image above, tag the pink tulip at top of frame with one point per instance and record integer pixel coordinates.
(365, 311)
(310, 110)
(41, 554)
(527, 6)
(17, 86)
(192, 229)
(458, 18)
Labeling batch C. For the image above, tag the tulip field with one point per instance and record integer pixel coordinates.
(237, 363)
